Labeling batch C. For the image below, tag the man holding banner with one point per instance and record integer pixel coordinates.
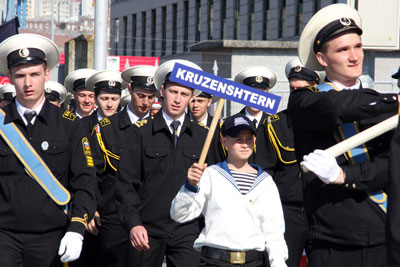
(152, 168)
(344, 198)
(46, 165)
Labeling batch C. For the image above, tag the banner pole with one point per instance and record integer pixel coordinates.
(211, 131)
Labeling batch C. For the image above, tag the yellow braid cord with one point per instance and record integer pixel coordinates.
(276, 144)
(81, 220)
(220, 135)
(107, 154)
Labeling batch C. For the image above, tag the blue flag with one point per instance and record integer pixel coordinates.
(9, 28)
(225, 88)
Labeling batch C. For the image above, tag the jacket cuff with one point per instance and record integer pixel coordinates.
(191, 188)
(77, 226)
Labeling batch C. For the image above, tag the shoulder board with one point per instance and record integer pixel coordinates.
(313, 89)
(105, 122)
(204, 126)
(141, 123)
(69, 115)
(272, 118)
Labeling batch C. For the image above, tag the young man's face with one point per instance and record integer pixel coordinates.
(254, 111)
(108, 103)
(29, 80)
(84, 101)
(141, 100)
(198, 107)
(240, 147)
(342, 58)
(295, 83)
(176, 99)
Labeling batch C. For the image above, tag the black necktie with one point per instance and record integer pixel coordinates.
(175, 125)
(29, 116)
(255, 124)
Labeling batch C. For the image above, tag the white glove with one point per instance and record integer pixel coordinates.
(70, 246)
(323, 165)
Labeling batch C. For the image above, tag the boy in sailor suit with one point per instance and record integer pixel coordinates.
(240, 203)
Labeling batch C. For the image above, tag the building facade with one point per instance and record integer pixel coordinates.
(234, 34)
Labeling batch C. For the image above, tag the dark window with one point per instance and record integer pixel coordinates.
(116, 35)
(299, 16)
(317, 5)
(250, 20)
(186, 26)
(265, 19)
(282, 15)
(125, 48)
(236, 15)
(210, 19)
(134, 29)
(153, 32)
(163, 30)
(198, 20)
(223, 19)
(144, 33)
(174, 27)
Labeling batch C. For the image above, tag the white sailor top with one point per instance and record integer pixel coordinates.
(233, 221)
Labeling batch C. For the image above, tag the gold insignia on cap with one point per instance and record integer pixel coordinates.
(259, 79)
(47, 90)
(345, 21)
(23, 52)
(297, 68)
(112, 83)
(150, 80)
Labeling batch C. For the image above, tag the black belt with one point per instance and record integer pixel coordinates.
(234, 257)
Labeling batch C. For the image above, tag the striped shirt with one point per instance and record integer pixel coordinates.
(244, 180)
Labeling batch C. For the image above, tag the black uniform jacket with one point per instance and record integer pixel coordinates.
(113, 135)
(59, 139)
(343, 214)
(393, 215)
(285, 171)
(263, 153)
(151, 172)
(89, 122)
(209, 120)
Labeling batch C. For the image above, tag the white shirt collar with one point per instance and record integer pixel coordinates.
(21, 110)
(251, 117)
(204, 121)
(340, 86)
(169, 120)
(132, 116)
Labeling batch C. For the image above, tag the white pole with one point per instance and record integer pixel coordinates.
(362, 137)
(100, 34)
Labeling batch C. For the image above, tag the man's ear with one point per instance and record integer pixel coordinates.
(130, 89)
(321, 59)
(162, 91)
(47, 74)
(209, 102)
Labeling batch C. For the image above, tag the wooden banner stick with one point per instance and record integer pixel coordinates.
(211, 131)
(361, 137)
